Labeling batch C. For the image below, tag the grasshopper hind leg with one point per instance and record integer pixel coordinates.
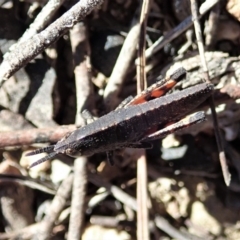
(177, 126)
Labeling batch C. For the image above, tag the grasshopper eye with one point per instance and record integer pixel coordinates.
(72, 152)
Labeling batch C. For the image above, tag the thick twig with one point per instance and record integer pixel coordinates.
(29, 49)
(222, 156)
(31, 136)
(142, 193)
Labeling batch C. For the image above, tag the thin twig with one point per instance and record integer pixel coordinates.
(142, 197)
(29, 49)
(141, 73)
(142, 193)
(222, 156)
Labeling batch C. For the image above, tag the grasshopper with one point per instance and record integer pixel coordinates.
(136, 121)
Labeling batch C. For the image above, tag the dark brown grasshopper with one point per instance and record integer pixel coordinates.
(135, 123)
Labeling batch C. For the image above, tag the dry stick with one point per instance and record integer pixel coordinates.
(55, 209)
(29, 49)
(174, 33)
(142, 193)
(131, 202)
(222, 157)
(31, 136)
(84, 90)
(123, 64)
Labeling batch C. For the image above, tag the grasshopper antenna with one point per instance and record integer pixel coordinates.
(48, 149)
(44, 159)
